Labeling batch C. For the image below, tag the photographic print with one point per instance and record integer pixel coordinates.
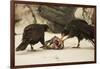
(49, 34)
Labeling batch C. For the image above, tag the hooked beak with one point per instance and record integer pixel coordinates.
(62, 36)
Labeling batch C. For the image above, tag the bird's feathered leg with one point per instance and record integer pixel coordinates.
(78, 43)
(32, 48)
(42, 42)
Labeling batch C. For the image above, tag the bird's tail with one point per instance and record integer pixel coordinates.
(22, 46)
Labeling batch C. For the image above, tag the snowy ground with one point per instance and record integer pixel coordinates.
(68, 54)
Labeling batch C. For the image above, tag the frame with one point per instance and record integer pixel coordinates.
(65, 56)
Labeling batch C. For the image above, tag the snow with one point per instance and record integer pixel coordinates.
(43, 56)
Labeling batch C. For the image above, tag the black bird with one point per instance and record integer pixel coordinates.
(32, 34)
(80, 29)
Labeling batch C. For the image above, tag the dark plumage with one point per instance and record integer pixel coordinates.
(80, 29)
(32, 34)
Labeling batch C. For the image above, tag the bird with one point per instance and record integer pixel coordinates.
(79, 28)
(32, 34)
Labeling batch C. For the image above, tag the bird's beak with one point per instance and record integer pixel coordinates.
(62, 36)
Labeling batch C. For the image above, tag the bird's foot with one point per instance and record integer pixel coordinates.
(75, 47)
(33, 50)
